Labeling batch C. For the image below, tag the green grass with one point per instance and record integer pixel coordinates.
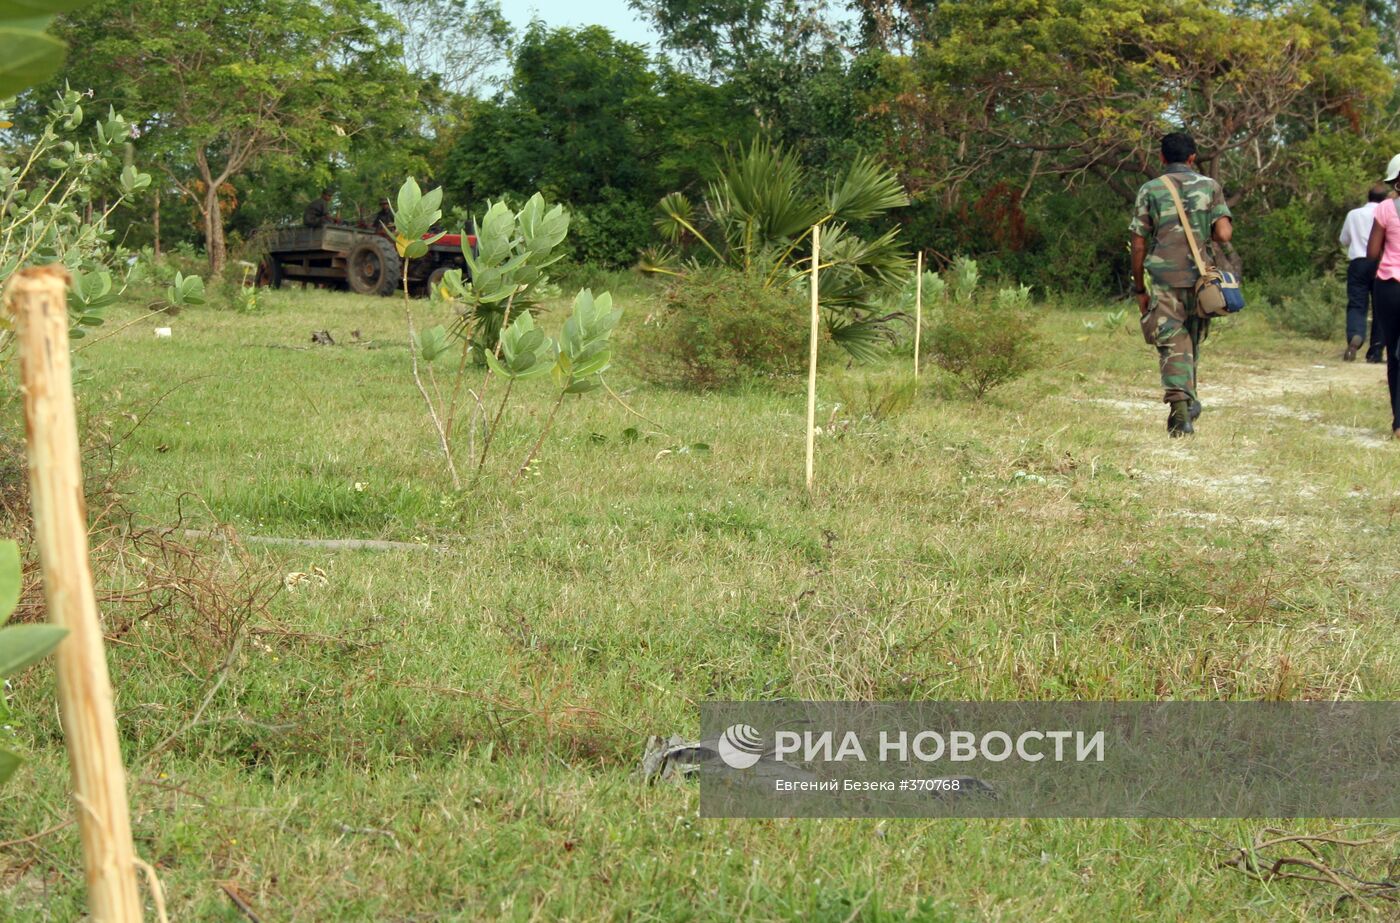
(451, 735)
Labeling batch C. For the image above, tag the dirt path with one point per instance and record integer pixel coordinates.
(1234, 386)
(1252, 485)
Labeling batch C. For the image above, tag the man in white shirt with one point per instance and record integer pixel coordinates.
(1361, 272)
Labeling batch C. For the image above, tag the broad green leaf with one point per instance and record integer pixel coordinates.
(11, 578)
(496, 366)
(531, 340)
(132, 180)
(433, 342)
(22, 645)
(28, 56)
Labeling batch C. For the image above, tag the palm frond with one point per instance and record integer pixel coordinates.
(863, 340)
(867, 189)
(663, 260)
(764, 188)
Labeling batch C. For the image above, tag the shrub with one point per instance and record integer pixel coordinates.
(874, 398)
(1312, 307)
(987, 341)
(718, 327)
(609, 232)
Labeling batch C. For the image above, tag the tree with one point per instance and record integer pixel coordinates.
(218, 90)
(792, 63)
(456, 43)
(1083, 88)
(587, 120)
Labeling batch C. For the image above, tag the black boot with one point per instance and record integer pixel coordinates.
(1374, 355)
(1179, 421)
(1195, 410)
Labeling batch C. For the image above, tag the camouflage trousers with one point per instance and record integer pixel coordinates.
(1172, 326)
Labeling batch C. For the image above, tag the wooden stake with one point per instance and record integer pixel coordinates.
(918, 308)
(36, 298)
(812, 364)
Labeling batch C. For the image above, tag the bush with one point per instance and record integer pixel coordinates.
(874, 398)
(611, 231)
(1312, 307)
(718, 328)
(988, 340)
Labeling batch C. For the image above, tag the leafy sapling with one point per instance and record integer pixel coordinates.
(965, 278)
(20, 645)
(48, 210)
(414, 216)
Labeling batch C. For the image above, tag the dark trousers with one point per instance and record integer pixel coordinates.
(1387, 295)
(1361, 273)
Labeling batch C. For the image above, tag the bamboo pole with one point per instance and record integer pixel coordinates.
(36, 297)
(812, 362)
(918, 308)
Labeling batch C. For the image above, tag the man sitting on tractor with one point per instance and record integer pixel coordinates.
(318, 213)
(384, 218)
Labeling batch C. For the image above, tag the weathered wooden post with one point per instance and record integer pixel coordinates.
(812, 364)
(36, 299)
(918, 308)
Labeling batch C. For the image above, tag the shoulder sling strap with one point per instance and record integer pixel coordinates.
(1186, 224)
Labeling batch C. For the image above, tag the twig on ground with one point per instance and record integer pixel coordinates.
(219, 681)
(1252, 862)
(629, 409)
(37, 836)
(239, 900)
(374, 831)
(149, 410)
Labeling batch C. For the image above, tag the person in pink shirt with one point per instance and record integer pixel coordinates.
(1384, 246)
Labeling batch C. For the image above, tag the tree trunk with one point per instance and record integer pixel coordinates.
(214, 230)
(155, 222)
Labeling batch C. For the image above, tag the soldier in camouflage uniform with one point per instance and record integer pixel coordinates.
(1159, 246)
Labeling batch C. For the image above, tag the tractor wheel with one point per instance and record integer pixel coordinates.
(269, 273)
(374, 267)
(435, 280)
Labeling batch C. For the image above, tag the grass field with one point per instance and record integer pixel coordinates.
(450, 733)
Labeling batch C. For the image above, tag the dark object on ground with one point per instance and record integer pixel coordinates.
(1179, 420)
(1375, 356)
(322, 338)
(675, 759)
(1353, 345)
(364, 260)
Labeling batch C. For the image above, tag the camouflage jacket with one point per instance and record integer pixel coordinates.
(1154, 217)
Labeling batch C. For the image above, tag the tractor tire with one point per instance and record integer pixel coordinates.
(435, 279)
(374, 267)
(269, 273)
